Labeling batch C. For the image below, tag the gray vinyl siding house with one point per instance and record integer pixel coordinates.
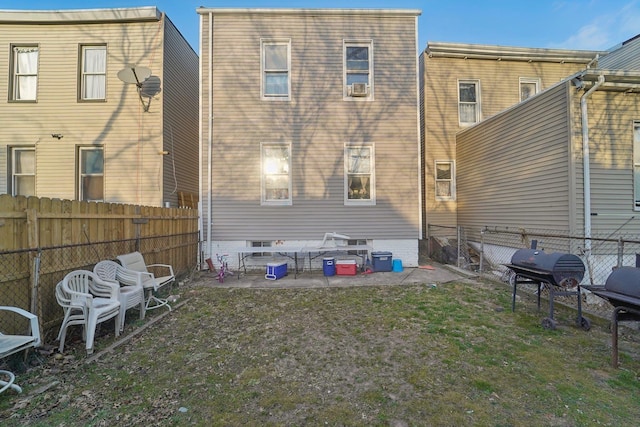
(494, 78)
(515, 167)
(326, 97)
(562, 160)
(141, 152)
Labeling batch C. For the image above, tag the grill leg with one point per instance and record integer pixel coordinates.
(614, 337)
(582, 322)
(620, 314)
(539, 292)
(579, 294)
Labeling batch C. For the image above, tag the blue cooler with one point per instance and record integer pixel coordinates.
(329, 266)
(276, 271)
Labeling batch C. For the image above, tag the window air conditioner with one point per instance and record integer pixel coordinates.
(359, 89)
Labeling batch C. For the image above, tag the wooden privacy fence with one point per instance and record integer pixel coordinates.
(43, 239)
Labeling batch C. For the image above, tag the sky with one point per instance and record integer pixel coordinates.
(562, 24)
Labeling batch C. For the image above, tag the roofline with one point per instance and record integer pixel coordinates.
(306, 11)
(509, 53)
(62, 16)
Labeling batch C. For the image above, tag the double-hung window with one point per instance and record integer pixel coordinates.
(276, 69)
(636, 165)
(91, 174)
(359, 175)
(445, 180)
(358, 70)
(23, 171)
(528, 87)
(24, 73)
(93, 73)
(468, 102)
(276, 173)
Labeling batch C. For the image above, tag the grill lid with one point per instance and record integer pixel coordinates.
(624, 281)
(555, 268)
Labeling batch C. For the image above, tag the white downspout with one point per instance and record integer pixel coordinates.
(201, 205)
(210, 139)
(420, 153)
(585, 160)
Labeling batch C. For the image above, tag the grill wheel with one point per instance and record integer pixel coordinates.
(549, 323)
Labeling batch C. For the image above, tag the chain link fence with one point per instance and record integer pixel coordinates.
(28, 277)
(489, 250)
(449, 245)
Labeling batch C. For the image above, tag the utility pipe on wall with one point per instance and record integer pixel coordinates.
(210, 139)
(585, 160)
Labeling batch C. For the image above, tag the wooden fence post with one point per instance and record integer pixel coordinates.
(34, 259)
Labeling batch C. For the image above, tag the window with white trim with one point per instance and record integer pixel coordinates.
(358, 70)
(276, 69)
(23, 171)
(24, 73)
(359, 175)
(636, 165)
(91, 174)
(445, 180)
(276, 173)
(93, 73)
(468, 102)
(528, 87)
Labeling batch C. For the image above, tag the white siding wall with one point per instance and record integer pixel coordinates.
(404, 250)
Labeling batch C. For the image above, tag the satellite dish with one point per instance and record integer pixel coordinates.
(134, 75)
(138, 75)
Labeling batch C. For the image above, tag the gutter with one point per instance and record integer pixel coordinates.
(585, 161)
(308, 11)
(508, 53)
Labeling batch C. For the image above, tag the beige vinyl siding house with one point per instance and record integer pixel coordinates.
(72, 129)
(309, 124)
(466, 83)
(565, 160)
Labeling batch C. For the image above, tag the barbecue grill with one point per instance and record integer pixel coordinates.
(622, 290)
(561, 271)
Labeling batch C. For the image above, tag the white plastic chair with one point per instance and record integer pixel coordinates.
(11, 344)
(137, 272)
(130, 296)
(76, 296)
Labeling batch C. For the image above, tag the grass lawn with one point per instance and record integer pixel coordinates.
(450, 355)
